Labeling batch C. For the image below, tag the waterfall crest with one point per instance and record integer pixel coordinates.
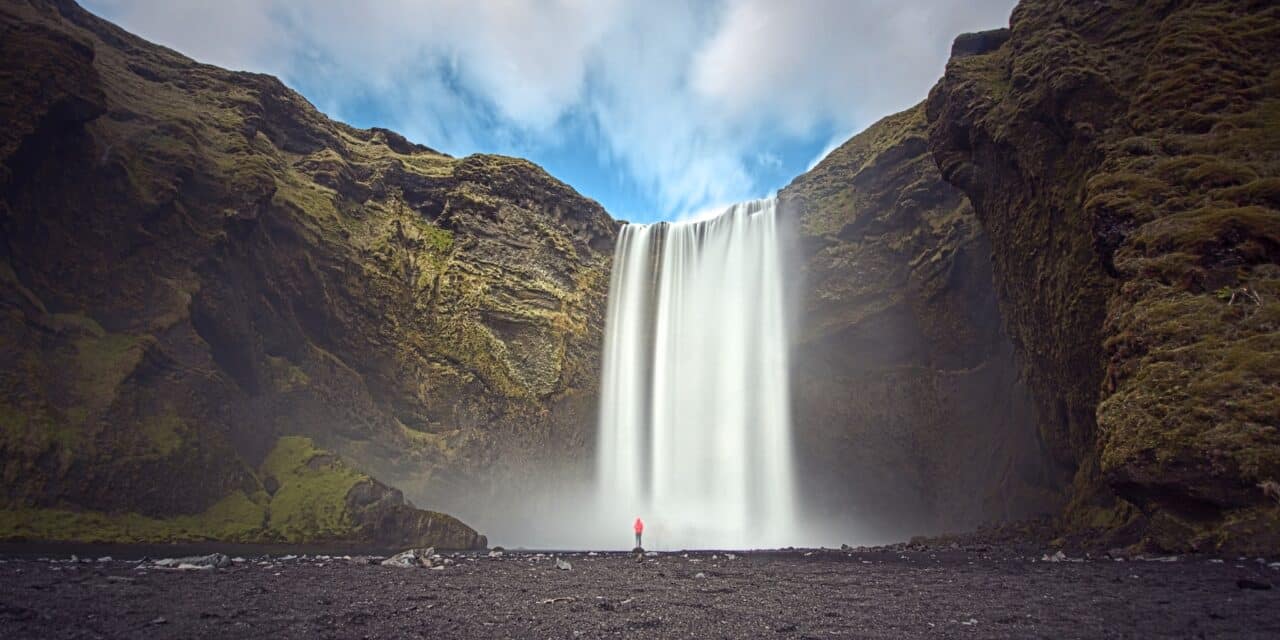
(695, 433)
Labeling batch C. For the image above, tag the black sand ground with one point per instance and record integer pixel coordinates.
(819, 594)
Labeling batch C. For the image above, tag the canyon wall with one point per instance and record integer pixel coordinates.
(196, 264)
(1052, 288)
(1124, 159)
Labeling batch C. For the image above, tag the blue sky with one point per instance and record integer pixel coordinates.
(658, 109)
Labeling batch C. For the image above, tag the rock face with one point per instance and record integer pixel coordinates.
(195, 264)
(909, 413)
(1124, 159)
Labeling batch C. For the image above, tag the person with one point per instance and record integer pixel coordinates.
(639, 527)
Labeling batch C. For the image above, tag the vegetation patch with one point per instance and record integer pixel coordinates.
(311, 501)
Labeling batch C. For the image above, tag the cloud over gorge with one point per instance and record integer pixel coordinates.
(657, 109)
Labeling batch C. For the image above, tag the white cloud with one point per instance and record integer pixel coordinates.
(809, 62)
(685, 99)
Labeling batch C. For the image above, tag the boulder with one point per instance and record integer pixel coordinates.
(410, 559)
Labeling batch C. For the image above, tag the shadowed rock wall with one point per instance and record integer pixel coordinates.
(910, 417)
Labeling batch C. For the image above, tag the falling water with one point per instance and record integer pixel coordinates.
(695, 416)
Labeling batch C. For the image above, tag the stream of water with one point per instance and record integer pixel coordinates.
(695, 433)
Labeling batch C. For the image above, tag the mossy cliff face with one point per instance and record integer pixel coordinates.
(909, 412)
(1123, 158)
(310, 496)
(195, 263)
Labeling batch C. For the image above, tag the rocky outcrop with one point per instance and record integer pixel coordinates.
(307, 495)
(1124, 160)
(909, 413)
(195, 263)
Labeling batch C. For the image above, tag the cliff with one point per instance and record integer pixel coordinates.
(1054, 287)
(1124, 160)
(198, 271)
(909, 413)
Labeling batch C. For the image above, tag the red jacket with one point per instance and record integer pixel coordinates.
(639, 526)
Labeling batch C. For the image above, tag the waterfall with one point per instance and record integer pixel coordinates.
(694, 432)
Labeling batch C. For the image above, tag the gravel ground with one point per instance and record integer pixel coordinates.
(881, 593)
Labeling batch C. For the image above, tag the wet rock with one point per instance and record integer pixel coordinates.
(1246, 583)
(211, 561)
(1058, 556)
(410, 558)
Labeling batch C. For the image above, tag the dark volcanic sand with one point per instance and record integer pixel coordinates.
(820, 594)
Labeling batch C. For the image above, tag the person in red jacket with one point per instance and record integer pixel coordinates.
(639, 527)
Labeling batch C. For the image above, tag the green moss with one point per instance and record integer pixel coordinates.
(287, 376)
(1263, 191)
(162, 434)
(236, 518)
(308, 505)
(311, 501)
(438, 240)
(32, 431)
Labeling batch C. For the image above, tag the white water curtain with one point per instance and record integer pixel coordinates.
(695, 433)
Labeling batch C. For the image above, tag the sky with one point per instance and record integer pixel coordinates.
(659, 110)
